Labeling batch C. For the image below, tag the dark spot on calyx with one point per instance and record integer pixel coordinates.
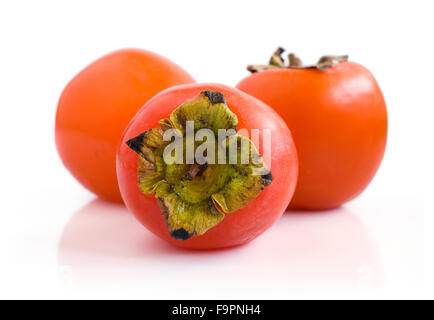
(214, 96)
(267, 178)
(180, 234)
(202, 169)
(212, 207)
(195, 170)
(136, 143)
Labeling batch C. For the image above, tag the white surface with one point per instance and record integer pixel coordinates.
(57, 241)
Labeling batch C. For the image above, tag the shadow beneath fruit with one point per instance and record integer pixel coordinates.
(103, 246)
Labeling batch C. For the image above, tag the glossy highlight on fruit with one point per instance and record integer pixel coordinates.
(205, 205)
(96, 106)
(337, 115)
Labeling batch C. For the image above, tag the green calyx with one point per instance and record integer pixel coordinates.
(294, 62)
(198, 167)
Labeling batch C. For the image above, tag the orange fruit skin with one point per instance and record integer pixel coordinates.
(97, 104)
(338, 119)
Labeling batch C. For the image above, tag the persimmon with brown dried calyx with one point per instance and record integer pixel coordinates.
(337, 115)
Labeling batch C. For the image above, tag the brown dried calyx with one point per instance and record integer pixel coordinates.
(294, 62)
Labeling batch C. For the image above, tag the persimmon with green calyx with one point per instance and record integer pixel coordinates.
(337, 115)
(193, 171)
(96, 106)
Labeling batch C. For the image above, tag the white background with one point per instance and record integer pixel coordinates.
(58, 241)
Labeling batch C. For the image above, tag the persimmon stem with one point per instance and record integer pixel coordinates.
(195, 170)
(276, 59)
(294, 62)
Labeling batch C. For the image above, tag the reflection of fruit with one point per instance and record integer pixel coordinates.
(329, 250)
(98, 103)
(207, 205)
(329, 255)
(338, 118)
